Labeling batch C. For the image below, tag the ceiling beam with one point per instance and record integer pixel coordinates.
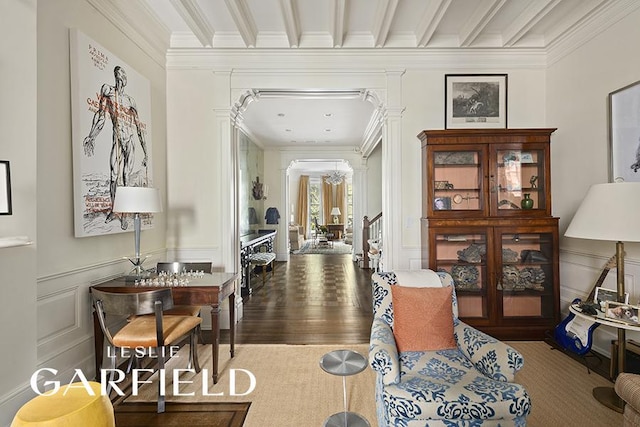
(244, 21)
(382, 21)
(531, 15)
(291, 22)
(581, 12)
(339, 7)
(195, 19)
(479, 19)
(430, 21)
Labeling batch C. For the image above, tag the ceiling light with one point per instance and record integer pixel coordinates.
(335, 177)
(328, 115)
(287, 130)
(280, 114)
(327, 130)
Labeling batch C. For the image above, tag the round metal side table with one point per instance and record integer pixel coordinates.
(344, 363)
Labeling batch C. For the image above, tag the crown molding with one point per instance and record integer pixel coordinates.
(289, 60)
(587, 30)
(139, 23)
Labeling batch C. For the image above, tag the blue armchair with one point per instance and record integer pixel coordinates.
(471, 385)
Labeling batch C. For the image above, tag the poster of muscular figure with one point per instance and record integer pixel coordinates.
(111, 115)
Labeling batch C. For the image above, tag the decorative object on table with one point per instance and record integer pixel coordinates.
(137, 200)
(624, 134)
(603, 295)
(465, 277)
(442, 203)
(5, 188)
(618, 225)
(335, 213)
(621, 312)
(509, 255)
(116, 155)
(473, 253)
(527, 201)
(475, 101)
(533, 181)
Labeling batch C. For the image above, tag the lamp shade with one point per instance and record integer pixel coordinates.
(335, 211)
(608, 212)
(137, 200)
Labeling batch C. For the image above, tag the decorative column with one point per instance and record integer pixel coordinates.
(392, 174)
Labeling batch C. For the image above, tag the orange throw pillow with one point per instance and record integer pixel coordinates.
(422, 318)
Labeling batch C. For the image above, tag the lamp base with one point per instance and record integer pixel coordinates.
(608, 397)
(137, 272)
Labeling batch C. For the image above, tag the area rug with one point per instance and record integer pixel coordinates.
(338, 248)
(200, 414)
(291, 389)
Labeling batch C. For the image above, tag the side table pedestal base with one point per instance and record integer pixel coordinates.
(346, 419)
(608, 397)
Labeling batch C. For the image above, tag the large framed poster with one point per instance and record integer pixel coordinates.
(111, 114)
(624, 134)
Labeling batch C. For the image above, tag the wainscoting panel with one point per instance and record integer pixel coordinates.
(65, 316)
(578, 274)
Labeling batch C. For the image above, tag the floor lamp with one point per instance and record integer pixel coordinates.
(137, 200)
(610, 212)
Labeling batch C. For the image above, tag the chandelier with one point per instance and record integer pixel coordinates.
(335, 178)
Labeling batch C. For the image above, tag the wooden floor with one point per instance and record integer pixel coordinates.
(312, 299)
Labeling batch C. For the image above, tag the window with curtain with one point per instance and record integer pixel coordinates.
(315, 201)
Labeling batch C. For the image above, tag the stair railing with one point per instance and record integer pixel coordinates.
(371, 229)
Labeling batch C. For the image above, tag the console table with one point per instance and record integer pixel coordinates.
(335, 230)
(250, 244)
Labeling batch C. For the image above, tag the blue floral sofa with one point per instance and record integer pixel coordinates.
(471, 385)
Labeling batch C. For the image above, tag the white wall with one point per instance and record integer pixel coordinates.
(48, 320)
(18, 145)
(577, 89)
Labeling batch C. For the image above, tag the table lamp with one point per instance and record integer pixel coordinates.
(335, 212)
(610, 212)
(137, 200)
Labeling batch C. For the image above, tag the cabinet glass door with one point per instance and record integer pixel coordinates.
(527, 275)
(457, 180)
(519, 181)
(464, 257)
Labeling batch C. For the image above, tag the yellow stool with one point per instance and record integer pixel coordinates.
(75, 408)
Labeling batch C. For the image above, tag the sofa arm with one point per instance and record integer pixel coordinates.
(628, 388)
(383, 353)
(491, 357)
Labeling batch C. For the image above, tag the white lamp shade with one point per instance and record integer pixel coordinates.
(335, 211)
(137, 200)
(608, 212)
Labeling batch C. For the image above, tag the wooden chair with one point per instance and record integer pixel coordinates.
(177, 268)
(142, 331)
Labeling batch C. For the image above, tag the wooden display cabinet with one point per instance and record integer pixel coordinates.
(502, 254)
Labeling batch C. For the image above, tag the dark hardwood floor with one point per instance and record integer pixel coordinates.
(312, 299)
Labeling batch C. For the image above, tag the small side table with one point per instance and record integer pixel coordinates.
(344, 363)
(607, 395)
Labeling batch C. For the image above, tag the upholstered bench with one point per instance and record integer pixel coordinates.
(263, 259)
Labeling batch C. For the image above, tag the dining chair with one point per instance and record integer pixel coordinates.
(177, 268)
(143, 331)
